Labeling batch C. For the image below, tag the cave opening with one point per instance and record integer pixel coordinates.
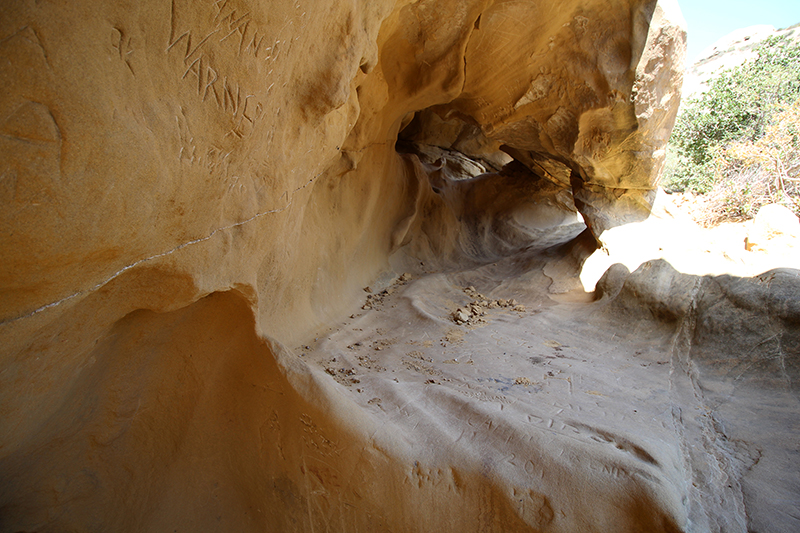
(502, 201)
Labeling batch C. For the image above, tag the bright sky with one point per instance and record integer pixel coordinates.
(708, 20)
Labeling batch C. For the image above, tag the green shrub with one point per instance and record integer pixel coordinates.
(739, 107)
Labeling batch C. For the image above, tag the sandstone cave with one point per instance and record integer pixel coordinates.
(316, 266)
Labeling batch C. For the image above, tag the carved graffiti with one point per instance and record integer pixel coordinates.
(231, 35)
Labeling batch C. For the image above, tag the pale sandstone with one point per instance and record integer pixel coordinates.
(195, 194)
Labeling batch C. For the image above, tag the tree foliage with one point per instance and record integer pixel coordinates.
(741, 129)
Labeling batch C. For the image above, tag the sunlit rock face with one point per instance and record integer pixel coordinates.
(197, 195)
(579, 93)
(219, 143)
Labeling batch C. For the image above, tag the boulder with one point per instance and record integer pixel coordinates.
(775, 226)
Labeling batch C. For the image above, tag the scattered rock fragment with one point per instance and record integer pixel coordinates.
(343, 375)
(419, 355)
(369, 363)
(453, 336)
(376, 299)
(472, 313)
(382, 344)
(420, 367)
(461, 316)
(472, 293)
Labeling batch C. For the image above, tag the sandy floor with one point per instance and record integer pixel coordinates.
(585, 412)
(501, 397)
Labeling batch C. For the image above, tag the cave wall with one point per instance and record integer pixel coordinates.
(202, 139)
(232, 143)
(229, 168)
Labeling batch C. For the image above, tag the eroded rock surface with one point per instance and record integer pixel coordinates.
(196, 195)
